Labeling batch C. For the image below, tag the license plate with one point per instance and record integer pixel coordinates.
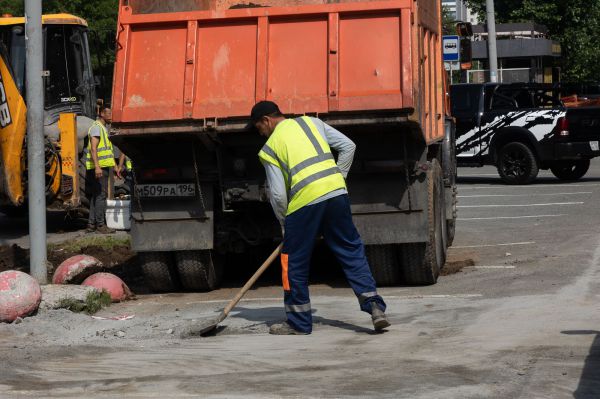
(165, 190)
(594, 146)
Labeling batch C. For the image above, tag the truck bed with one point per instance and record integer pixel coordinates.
(206, 64)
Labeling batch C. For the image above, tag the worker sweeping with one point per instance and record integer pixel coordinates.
(309, 197)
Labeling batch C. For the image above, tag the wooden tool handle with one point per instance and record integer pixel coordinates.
(252, 280)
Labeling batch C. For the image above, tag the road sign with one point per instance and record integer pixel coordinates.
(451, 45)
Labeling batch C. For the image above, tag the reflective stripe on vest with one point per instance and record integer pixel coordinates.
(106, 156)
(304, 157)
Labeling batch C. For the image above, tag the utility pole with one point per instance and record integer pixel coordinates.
(492, 52)
(35, 140)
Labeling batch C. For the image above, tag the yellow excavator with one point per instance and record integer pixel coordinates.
(69, 109)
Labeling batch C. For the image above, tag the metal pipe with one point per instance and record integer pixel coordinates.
(492, 52)
(35, 139)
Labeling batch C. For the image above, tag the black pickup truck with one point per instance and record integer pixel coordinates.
(522, 128)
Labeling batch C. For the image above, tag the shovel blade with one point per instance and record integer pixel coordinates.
(202, 327)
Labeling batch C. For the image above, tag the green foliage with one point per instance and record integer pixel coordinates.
(14, 7)
(448, 21)
(100, 14)
(94, 301)
(574, 23)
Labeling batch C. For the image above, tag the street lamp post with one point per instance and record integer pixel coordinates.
(492, 52)
(35, 139)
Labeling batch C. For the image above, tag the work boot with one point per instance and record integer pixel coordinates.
(284, 329)
(104, 230)
(380, 321)
(90, 228)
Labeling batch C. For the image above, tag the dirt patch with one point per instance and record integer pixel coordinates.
(456, 261)
(115, 254)
(456, 267)
(110, 257)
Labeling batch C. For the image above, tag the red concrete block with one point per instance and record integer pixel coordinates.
(20, 295)
(117, 289)
(76, 269)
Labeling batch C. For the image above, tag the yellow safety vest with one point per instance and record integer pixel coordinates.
(106, 156)
(305, 159)
(128, 164)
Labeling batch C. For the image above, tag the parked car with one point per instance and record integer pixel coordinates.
(521, 128)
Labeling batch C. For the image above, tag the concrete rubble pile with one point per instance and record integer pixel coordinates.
(21, 295)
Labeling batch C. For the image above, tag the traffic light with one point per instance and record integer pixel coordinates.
(466, 53)
(464, 29)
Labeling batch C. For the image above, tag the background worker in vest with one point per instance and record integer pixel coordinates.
(100, 160)
(309, 197)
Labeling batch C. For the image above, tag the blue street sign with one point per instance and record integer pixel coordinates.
(451, 48)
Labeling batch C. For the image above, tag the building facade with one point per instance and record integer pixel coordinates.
(460, 11)
(525, 54)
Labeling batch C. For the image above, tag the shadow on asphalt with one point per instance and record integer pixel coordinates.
(272, 315)
(589, 382)
(325, 269)
(56, 222)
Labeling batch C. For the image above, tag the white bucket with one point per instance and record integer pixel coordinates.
(118, 214)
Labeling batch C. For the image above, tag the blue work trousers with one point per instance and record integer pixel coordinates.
(332, 219)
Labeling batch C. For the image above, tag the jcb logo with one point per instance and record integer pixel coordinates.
(5, 118)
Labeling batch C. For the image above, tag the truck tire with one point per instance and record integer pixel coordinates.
(422, 262)
(517, 163)
(570, 170)
(384, 263)
(197, 271)
(157, 271)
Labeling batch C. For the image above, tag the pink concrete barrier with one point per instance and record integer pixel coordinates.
(76, 269)
(117, 289)
(20, 295)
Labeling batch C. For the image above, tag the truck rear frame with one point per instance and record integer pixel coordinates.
(186, 81)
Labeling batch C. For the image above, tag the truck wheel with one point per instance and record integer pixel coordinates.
(197, 271)
(517, 164)
(422, 262)
(384, 263)
(573, 170)
(156, 267)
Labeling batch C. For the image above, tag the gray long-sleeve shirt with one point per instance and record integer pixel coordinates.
(276, 183)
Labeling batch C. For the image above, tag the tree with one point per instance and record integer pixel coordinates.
(574, 23)
(101, 15)
(448, 21)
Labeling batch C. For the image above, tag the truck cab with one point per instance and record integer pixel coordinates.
(69, 82)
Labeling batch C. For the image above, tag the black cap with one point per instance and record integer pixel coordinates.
(263, 108)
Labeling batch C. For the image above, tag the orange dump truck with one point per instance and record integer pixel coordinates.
(187, 74)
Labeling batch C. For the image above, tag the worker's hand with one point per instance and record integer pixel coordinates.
(98, 172)
(118, 170)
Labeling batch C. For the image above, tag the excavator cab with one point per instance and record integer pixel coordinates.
(69, 89)
(69, 81)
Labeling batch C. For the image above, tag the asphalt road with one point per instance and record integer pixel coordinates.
(522, 322)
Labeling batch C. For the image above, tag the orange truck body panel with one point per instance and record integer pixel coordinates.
(202, 60)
